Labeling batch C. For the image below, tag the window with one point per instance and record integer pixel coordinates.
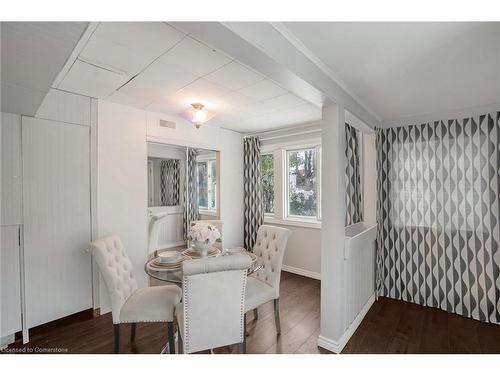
(302, 183)
(207, 184)
(267, 176)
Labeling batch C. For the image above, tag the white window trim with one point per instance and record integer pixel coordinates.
(270, 215)
(281, 185)
(297, 218)
(205, 210)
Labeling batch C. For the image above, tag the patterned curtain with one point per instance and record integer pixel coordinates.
(438, 215)
(354, 204)
(169, 182)
(252, 191)
(190, 190)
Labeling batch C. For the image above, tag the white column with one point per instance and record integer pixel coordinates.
(332, 231)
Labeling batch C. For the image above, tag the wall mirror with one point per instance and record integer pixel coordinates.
(183, 185)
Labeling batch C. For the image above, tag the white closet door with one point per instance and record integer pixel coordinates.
(56, 209)
(10, 290)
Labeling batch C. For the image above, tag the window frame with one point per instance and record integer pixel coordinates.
(270, 215)
(279, 152)
(286, 185)
(207, 210)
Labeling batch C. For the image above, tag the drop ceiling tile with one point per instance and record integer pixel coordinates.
(129, 46)
(285, 101)
(259, 109)
(262, 90)
(202, 91)
(228, 119)
(132, 101)
(166, 106)
(194, 57)
(90, 80)
(157, 81)
(234, 102)
(234, 76)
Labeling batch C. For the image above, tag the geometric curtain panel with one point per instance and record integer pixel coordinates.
(354, 204)
(252, 191)
(438, 215)
(169, 186)
(191, 211)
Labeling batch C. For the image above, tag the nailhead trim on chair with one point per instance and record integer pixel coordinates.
(242, 320)
(145, 321)
(185, 301)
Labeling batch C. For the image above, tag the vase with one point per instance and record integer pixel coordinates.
(202, 248)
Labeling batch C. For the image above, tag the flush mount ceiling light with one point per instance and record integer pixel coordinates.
(197, 115)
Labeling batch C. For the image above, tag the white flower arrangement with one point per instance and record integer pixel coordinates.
(204, 232)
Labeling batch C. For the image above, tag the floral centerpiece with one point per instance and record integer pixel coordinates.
(202, 235)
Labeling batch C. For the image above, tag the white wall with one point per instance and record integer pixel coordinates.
(122, 183)
(370, 178)
(303, 253)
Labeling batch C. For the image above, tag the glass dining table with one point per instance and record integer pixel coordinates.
(174, 275)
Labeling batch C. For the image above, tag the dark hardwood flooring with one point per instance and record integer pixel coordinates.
(390, 326)
(393, 326)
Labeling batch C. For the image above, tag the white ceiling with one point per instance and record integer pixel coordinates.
(404, 69)
(32, 54)
(157, 67)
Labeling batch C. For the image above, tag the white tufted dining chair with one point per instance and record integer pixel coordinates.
(211, 314)
(130, 304)
(264, 285)
(219, 225)
(155, 220)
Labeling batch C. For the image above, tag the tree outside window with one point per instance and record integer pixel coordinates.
(302, 182)
(267, 176)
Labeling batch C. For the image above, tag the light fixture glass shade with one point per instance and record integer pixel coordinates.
(197, 115)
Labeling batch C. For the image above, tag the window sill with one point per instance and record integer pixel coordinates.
(207, 212)
(314, 224)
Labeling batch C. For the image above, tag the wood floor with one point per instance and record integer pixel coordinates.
(390, 326)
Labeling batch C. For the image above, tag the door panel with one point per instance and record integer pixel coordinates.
(56, 209)
(10, 301)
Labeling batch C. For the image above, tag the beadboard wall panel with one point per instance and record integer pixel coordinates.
(10, 311)
(57, 223)
(11, 169)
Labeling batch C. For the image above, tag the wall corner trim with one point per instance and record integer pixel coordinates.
(337, 346)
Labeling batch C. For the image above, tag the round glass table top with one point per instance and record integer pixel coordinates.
(174, 275)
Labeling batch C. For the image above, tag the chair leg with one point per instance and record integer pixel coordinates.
(132, 331)
(255, 314)
(242, 348)
(277, 315)
(117, 338)
(244, 343)
(171, 339)
(180, 346)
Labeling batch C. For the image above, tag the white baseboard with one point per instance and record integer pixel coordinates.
(6, 341)
(337, 346)
(302, 272)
